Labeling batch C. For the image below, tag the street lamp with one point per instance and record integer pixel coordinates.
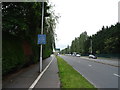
(91, 45)
(41, 33)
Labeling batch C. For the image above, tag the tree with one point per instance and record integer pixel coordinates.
(106, 40)
(22, 22)
(78, 43)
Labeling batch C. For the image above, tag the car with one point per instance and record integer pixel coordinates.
(78, 55)
(92, 56)
(73, 54)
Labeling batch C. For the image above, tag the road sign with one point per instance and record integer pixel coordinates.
(41, 39)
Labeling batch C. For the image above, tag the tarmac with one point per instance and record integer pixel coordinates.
(27, 76)
(112, 62)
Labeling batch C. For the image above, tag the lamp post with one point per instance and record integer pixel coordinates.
(41, 33)
(91, 45)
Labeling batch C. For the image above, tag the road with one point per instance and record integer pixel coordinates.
(100, 75)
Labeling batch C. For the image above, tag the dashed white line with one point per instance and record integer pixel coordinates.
(116, 75)
(89, 65)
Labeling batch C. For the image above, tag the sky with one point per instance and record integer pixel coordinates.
(82, 15)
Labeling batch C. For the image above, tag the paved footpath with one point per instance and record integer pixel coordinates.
(25, 77)
(50, 78)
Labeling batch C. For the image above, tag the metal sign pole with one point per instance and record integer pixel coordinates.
(41, 33)
(91, 46)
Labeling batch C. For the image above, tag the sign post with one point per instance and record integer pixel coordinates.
(41, 33)
(41, 39)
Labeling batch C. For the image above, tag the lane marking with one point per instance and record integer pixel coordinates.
(100, 62)
(38, 78)
(89, 65)
(116, 75)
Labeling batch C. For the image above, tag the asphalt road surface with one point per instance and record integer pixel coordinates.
(100, 75)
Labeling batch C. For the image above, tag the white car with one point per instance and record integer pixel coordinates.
(78, 55)
(92, 56)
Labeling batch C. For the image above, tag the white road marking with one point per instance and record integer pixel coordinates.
(38, 78)
(89, 65)
(116, 75)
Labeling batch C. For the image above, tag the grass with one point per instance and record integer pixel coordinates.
(70, 78)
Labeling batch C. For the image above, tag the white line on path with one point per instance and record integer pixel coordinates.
(38, 78)
(116, 75)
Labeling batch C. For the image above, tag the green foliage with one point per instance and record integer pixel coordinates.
(87, 46)
(12, 55)
(22, 20)
(78, 45)
(82, 39)
(110, 45)
(105, 41)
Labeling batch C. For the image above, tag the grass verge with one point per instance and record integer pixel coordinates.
(69, 77)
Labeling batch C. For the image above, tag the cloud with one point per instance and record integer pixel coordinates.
(83, 15)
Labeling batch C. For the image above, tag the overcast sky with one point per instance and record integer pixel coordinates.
(78, 16)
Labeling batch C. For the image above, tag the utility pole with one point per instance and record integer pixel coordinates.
(41, 33)
(91, 45)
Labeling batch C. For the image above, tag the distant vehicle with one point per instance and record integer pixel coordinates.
(67, 54)
(78, 55)
(92, 56)
(74, 53)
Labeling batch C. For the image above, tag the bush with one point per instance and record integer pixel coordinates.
(12, 53)
(17, 53)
